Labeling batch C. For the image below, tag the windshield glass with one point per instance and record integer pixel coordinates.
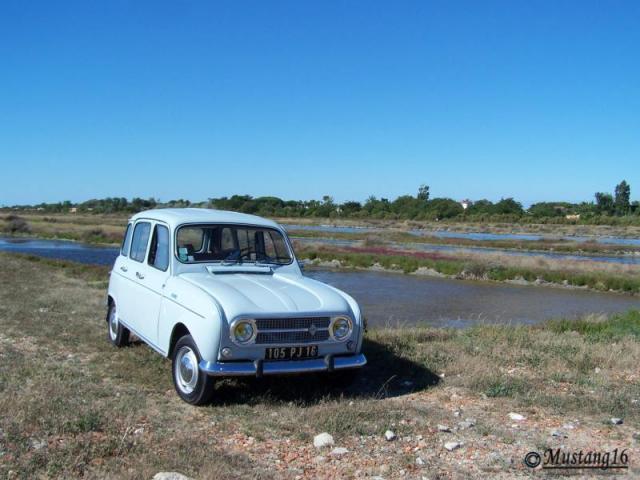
(231, 244)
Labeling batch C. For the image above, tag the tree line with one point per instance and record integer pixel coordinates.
(605, 206)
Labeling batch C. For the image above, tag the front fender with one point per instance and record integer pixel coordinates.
(188, 305)
(355, 310)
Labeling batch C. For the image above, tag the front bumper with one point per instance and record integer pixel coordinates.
(259, 368)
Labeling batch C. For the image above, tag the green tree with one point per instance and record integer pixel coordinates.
(423, 193)
(604, 203)
(623, 194)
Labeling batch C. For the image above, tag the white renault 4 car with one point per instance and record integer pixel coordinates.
(222, 294)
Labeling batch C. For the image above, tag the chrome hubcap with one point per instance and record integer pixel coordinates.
(113, 323)
(186, 370)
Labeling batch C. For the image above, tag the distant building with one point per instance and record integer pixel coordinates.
(73, 210)
(465, 203)
(573, 216)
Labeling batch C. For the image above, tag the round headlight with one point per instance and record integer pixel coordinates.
(243, 331)
(340, 328)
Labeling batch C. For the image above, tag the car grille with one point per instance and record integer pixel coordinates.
(292, 323)
(292, 337)
(292, 330)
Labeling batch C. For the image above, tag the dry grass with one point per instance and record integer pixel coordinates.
(76, 407)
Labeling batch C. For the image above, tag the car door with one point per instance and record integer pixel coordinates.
(142, 303)
(158, 271)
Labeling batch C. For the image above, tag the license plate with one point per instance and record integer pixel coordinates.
(291, 353)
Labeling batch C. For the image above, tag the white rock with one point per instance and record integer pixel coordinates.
(339, 451)
(516, 416)
(38, 444)
(443, 428)
(419, 461)
(568, 426)
(451, 446)
(616, 421)
(170, 476)
(468, 423)
(389, 435)
(322, 440)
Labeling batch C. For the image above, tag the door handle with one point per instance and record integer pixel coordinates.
(139, 275)
(123, 268)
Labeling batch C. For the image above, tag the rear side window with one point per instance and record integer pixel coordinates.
(126, 241)
(140, 240)
(159, 251)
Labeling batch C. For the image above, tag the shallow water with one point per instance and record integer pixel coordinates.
(397, 299)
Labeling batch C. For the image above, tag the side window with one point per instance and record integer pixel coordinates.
(159, 251)
(190, 238)
(126, 241)
(139, 241)
(226, 239)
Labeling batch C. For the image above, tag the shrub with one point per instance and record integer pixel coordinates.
(16, 225)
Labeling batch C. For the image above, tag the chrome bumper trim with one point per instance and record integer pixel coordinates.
(260, 367)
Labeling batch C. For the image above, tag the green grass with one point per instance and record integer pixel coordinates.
(612, 328)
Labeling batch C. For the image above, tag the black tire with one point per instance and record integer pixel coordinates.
(117, 333)
(185, 362)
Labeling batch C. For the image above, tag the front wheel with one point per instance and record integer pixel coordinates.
(193, 386)
(118, 334)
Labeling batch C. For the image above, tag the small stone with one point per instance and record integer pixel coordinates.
(38, 444)
(516, 417)
(419, 461)
(597, 370)
(468, 423)
(457, 413)
(451, 446)
(389, 435)
(322, 440)
(616, 421)
(138, 431)
(568, 426)
(339, 451)
(170, 476)
(443, 428)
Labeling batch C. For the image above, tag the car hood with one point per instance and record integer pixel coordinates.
(240, 294)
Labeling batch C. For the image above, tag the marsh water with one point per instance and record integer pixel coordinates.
(397, 299)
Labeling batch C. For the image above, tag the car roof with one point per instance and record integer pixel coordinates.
(177, 216)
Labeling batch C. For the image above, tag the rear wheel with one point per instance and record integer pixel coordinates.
(117, 333)
(193, 386)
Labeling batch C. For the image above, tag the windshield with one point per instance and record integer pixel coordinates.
(231, 244)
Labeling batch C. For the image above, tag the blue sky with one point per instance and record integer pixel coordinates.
(536, 100)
